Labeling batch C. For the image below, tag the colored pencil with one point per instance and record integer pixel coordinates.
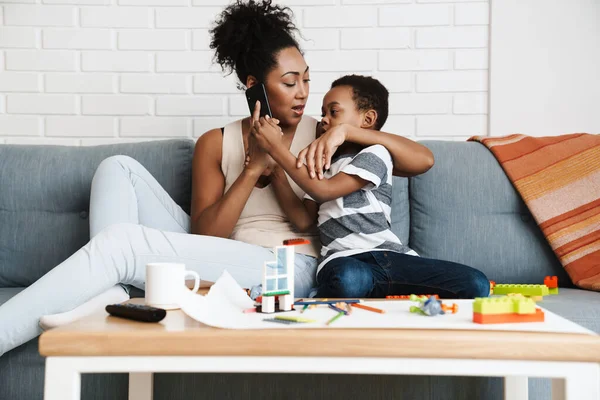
(281, 321)
(377, 310)
(303, 303)
(334, 318)
(295, 319)
(335, 308)
(348, 308)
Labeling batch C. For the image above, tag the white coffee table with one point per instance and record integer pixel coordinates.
(102, 344)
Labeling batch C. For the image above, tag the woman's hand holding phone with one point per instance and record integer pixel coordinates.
(267, 132)
(256, 156)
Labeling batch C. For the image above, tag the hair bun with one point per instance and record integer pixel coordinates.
(243, 33)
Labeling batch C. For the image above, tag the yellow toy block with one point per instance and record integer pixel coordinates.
(525, 290)
(503, 305)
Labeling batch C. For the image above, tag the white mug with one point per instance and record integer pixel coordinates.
(165, 284)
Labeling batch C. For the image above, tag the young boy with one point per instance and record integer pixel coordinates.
(361, 256)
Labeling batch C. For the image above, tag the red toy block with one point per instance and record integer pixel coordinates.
(551, 282)
(508, 318)
(295, 242)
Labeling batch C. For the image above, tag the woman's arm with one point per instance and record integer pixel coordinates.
(302, 214)
(409, 158)
(215, 213)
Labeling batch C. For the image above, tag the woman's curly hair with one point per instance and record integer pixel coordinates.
(248, 35)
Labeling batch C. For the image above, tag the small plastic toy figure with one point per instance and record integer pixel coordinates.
(255, 292)
(430, 306)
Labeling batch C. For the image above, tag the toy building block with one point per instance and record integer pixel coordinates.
(268, 304)
(552, 283)
(295, 242)
(453, 308)
(407, 297)
(505, 310)
(285, 302)
(525, 290)
(478, 318)
(277, 293)
(278, 278)
(503, 305)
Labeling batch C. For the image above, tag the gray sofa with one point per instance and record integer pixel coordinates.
(464, 209)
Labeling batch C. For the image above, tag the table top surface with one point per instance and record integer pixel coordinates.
(180, 335)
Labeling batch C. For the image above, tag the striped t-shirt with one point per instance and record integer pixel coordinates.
(360, 221)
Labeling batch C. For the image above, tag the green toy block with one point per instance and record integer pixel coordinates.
(525, 290)
(553, 290)
(276, 293)
(503, 305)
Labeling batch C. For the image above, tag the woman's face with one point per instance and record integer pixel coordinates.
(288, 86)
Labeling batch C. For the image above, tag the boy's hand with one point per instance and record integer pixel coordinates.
(267, 133)
(318, 154)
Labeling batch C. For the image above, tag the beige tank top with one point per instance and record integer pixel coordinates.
(262, 221)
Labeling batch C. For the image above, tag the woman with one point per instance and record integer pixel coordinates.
(133, 221)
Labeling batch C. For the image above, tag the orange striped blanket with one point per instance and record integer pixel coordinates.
(559, 181)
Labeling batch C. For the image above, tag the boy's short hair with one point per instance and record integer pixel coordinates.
(368, 94)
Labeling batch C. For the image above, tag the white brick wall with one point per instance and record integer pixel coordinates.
(87, 72)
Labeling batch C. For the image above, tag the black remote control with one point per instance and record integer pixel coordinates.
(136, 312)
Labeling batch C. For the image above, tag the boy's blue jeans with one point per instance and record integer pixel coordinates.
(384, 273)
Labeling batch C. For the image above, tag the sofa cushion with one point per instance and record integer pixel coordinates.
(465, 210)
(577, 305)
(22, 372)
(45, 195)
(8, 293)
(400, 209)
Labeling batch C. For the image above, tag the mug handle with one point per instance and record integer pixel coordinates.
(196, 280)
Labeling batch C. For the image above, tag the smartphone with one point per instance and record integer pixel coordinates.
(258, 92)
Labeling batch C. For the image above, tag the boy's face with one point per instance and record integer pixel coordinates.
(338, 107)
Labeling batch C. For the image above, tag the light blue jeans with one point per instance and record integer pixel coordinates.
(133, 221)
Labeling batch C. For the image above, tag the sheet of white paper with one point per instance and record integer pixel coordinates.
(223, 307)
